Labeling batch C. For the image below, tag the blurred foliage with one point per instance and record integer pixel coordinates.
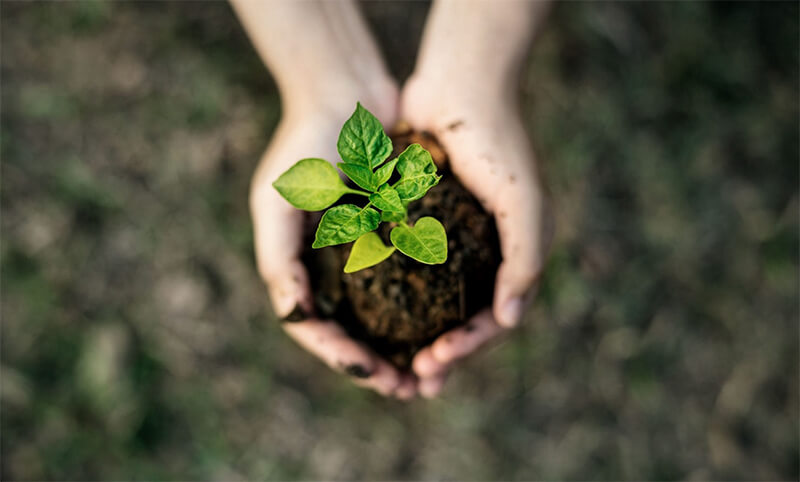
(137, 342)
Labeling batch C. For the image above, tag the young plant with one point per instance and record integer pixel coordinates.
(313, 185)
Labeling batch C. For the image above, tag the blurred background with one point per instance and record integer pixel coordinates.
(138, 343)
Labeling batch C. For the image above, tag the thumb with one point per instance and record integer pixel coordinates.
(514, 290)
(525, 227)
(290, 291)
(278, 232)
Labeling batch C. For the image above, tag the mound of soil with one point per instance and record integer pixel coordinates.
(401, 305)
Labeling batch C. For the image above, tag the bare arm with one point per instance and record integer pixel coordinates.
(478, 44)
(320, 53)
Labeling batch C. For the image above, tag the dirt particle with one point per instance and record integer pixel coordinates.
(469, 327)
(512, 179)
(297, 314)
(357, 371)
(417, 282)
(462, 299)
(503, 214)
(455, 125)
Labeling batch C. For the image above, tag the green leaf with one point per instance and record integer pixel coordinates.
(368, 250)
(311, 184)
(415, 159)
(360, 175)
(362, 140)
(383, 173)
(387, 199)
(345, 223)
(426, 241)
(393, 217)
(417, 173)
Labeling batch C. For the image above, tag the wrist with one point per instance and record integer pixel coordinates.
(478, 48)
(460, 82)
(435, 101)
(335, 96)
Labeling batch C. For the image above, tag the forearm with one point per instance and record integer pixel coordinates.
(478, 43)
(319, 52)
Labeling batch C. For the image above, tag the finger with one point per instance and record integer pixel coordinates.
(278, 229)
(513, 292)
(407, 388)
(460, 342)
(425, 365)
(384, 380)
(290, 292)
(525, 230)
(330, 343)
(432, 387)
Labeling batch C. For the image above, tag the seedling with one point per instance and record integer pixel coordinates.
(313, 185)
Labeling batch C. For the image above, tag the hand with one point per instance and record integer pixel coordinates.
(490, 153)
(278, 240)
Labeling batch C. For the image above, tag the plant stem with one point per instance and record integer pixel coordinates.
(356, 191)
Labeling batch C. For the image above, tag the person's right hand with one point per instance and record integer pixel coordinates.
(479, 126)
(278, 243)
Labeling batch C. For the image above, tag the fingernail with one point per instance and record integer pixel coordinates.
(511, 313)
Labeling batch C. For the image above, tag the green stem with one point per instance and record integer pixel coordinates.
(356, 191)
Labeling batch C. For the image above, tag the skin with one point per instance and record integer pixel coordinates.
(476, 119)
(321, 74)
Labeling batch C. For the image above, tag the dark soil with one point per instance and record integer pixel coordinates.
(401, 305)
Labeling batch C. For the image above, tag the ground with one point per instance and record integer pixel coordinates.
(138, 343)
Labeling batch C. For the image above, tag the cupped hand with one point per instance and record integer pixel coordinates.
(278, 234)
(490, 153)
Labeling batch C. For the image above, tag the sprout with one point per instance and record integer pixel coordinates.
(313, 185)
